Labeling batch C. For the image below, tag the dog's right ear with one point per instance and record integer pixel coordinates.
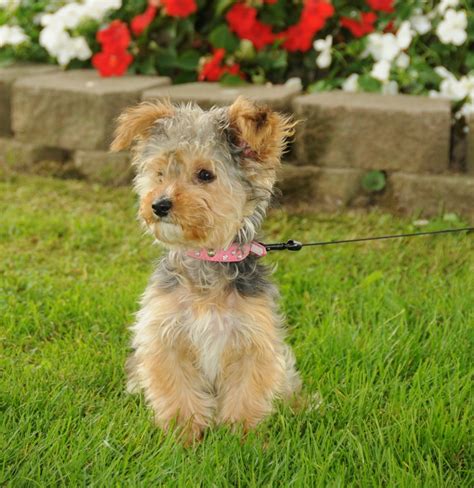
(135, 123)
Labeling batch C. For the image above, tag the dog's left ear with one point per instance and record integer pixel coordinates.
(262, 133)
(135, 123)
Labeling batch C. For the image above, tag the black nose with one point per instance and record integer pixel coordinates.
(161, 207)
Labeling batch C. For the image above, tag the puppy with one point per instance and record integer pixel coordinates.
(208, 342)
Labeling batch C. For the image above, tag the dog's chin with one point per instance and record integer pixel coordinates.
(169, 233)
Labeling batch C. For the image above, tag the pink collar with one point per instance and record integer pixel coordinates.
(233, 254)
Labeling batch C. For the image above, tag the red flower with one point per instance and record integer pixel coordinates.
(114, 59)
(360, 28)
(116, 36)
(180, 8)
(243, 21)
(112, 63)
(382, 5)
(213, 71)
(140, 22)
(299, 37)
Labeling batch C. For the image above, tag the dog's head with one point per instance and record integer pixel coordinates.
(204, 178)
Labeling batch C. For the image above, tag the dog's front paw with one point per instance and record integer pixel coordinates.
(188, 432)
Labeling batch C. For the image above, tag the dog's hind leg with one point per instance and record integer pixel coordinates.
(131, 370)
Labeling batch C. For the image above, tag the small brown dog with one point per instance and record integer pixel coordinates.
(208, 341)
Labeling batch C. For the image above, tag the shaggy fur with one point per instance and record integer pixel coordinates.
(208, 341)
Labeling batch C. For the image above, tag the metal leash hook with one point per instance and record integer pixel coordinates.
(290, 245)
(293, 245)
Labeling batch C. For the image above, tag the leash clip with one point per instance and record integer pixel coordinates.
(290, 245)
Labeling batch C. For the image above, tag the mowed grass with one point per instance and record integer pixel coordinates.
(382, 331)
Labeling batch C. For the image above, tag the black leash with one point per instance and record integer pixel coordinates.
(293, 245)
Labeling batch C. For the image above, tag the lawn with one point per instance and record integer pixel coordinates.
(382, 331)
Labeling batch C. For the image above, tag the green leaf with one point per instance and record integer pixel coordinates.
(222, 5)
(188, 61)
(279, 59)
(275, 15)
(369, 84)
(319, 86)
(166, 60)
(184, 77)
(470, 60)
(374, 181)
(6, 58)
(221, 37)
(229, 79)
(147, 67)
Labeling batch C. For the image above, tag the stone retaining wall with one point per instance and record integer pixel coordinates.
(61, 123)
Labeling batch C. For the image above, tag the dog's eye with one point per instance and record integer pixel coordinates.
(205, 175)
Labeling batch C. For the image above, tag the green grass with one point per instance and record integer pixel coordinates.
(383, 331)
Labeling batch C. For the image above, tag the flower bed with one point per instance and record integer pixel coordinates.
(385, 46)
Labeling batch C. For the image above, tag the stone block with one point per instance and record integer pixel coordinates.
(8, 76)
(74, 109)
(22, 156)
(102, 167)
(207, 95)
(432, 194)
(371, 131)
(319, 187)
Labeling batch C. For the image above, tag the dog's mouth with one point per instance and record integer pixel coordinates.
(167, 231)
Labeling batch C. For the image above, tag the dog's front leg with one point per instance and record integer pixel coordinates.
(175, 389)
(250, 381)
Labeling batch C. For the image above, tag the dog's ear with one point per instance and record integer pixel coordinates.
(262, 133)
(135, 123)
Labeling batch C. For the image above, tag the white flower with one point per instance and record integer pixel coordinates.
(295, 83)
(452, 88)
(467, 110)
(404, 35)
(62, 46)
(12, 35)
(73, 48)
(420, 23)
(443, 72)
(55, 37)
(52, 37)
(81, 48)
(383, 46)
(70, 15)
(12, 4)
(96, 10)
(390, 88)
(324, 59)
(402, 61)
(452, 29)
(445, 4)
(388, 46)
(351, 84)
(381, 70)
(323, 46)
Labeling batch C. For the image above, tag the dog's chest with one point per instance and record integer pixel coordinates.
(211, 331)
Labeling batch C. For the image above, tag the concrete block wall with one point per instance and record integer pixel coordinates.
(50, 115)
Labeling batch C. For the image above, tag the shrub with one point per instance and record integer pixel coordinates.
(386, 46)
